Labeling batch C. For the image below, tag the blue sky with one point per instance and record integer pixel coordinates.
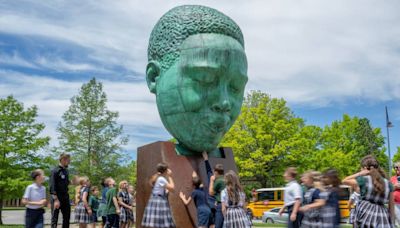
(326, 58)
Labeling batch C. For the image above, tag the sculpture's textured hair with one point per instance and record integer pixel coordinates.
(183, 21)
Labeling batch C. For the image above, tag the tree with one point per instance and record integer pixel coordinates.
(128, 172)
(396, 157)
(266, 138)
(89, 132)
(344, 143)
(19, 144)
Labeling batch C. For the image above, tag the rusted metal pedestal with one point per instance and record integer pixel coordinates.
(182, 168)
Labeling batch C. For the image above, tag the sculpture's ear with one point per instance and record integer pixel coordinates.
(152, 72)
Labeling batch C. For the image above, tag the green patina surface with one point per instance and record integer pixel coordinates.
(198, 70)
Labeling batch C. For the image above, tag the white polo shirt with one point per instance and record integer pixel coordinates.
(292, 193)
(34, 193)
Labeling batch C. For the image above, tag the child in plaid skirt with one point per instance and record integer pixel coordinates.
(352, 204)
(157, 213)
(126, 214)
(233, 202)
(312, 202)
(330, 212)
(132, 195)
(375, 191)
(83, 212)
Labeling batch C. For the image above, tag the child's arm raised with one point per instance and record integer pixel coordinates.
(170, 186)
(183, 198)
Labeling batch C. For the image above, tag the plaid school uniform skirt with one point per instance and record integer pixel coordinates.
(311, 219)
(236, 218)
(126, 215)
(158, 213)
(328, 217)
(81, 214)
(352, 217)
(372, 215)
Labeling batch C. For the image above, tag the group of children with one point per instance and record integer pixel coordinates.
(115, 207)
(318, 204)
(221, 205)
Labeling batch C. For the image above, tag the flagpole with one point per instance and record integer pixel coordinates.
(388, 124)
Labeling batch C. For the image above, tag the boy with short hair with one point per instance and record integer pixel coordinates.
(215, 187)
(35, 199)
(293, 197)
(94, 204)
(112, 208)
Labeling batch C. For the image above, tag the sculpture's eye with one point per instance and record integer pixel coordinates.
(237, 83)
(202, 75)
(234, 88)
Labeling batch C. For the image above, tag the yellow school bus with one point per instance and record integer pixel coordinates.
(268, 198)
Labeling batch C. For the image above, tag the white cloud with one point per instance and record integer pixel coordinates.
(60, 65)
(14, 59)
(307, 51)
(136, 106)
(312, 53)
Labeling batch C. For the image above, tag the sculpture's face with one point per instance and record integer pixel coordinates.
(200, 96)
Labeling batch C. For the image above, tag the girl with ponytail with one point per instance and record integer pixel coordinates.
(157, 213)
(233, 200)
(376, 192)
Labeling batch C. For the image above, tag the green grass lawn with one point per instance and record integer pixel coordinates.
(11, 226)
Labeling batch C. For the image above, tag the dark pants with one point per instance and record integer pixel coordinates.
(34, 218)
(210, 199)
(219, 217)
(297, 222)
(112, 221)
(94, 216)
(104, 219)
(65, 208)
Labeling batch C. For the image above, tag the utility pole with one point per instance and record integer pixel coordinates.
(388, 125)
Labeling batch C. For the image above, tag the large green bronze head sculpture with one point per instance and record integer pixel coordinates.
(198, 70)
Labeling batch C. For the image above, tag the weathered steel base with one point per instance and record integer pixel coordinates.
(182, 168)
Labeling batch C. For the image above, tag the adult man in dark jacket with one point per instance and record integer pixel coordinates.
(59, 182)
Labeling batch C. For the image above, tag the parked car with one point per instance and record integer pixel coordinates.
(272, 216)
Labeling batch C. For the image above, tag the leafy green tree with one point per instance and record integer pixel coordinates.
(266, 138)
(127, 172)
(344, 143)
(396, 157)
(19, 146)
(89, 131)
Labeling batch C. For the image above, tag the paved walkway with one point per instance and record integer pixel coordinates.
(18, 217)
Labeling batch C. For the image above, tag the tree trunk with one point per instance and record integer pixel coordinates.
(90, 147)
(1, 210)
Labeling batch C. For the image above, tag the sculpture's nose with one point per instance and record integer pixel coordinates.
(222, 103)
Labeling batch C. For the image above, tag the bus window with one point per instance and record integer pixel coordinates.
(268, 195)
(344, 194)
(279, 195)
